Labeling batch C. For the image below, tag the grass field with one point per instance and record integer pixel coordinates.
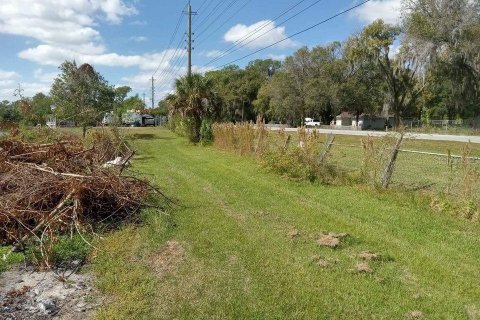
(229, 251)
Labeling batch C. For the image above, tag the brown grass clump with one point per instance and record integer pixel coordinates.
(331, 240)
(375, 154)
(245, 134)
(261, 137)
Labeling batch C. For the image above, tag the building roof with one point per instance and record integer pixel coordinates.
(345, 114)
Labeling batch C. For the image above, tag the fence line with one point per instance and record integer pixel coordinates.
(414, 151)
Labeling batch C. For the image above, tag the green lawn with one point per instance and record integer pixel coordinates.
(225, 252)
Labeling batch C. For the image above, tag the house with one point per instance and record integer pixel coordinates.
(51, 121)
(370, 122)
(365, 121)
(344, 119)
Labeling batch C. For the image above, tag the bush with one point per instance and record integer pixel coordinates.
(206, 131)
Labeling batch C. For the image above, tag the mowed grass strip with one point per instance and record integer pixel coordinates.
(243, 245)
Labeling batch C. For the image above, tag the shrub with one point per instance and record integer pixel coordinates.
(206, 131)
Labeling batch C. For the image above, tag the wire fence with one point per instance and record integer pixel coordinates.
(445, 168)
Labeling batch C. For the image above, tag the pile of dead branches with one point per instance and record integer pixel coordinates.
(47, 190)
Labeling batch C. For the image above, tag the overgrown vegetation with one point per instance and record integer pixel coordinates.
(304, 155)
(252, 244)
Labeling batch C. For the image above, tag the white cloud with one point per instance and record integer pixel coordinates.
(69, 25)
(139, 39)
(44, 77)
(54, 56)
(9, 80)
(213, 54)
(279, 57)
(241, 33)
(388, 10)
(8, 75)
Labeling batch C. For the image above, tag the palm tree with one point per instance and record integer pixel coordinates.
(194, 100)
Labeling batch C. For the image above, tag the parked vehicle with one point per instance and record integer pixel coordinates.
(310, 122)
(148, 120)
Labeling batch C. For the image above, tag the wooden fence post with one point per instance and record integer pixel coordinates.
(387, 175)
(326, 149)
(287, 142)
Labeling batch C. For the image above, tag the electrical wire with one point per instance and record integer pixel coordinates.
(249, 35)
(224, 23)
(214, 20)
(298, 33)
(273, 28)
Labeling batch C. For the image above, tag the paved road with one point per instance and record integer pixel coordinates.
(420, 136)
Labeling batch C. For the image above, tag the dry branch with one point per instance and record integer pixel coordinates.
(49, 189)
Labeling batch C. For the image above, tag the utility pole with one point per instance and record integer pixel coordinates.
(19, 92)
(144, 99)
(189, 39)
(153, 92)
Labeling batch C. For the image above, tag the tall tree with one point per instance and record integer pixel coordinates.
(446, 34)
(81, 94)
(399, 72)
(41, 108)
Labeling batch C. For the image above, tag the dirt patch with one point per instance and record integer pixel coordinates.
(472, 312)
(293, 233)
(363, 267)
(29, 294)
(168, 259)
(368, 256)
(415, 314)
(331, 240)
(323, 262)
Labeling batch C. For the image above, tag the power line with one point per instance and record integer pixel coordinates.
(209, 15)
(172, 75)
(299, 32)
(247, 36)
(201, 6)
(214, 20)
(174, 58)
(224, 23)
(177, 27)
(174, 61)
(273, 28)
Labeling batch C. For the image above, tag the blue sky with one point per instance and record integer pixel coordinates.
(127, 41)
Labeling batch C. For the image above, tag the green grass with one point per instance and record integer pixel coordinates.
(14, 258)
(412, 171)
(239, 262)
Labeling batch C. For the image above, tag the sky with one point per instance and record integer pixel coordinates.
(129, 41)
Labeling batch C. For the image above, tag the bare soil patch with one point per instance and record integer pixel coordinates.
(29, 294)
(363, 267)
(168, 259)
(331, 240)
(368, 256)
(293, 233)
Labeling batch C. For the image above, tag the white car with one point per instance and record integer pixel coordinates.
(310, 122)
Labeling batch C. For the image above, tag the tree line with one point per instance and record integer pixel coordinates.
(78, 94)
(426, 67)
